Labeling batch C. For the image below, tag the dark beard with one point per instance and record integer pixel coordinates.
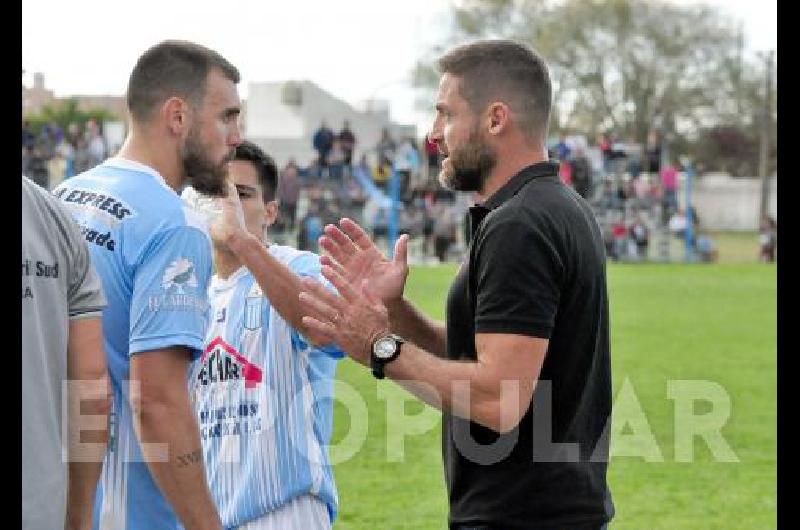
(201, 173)
(471, 164)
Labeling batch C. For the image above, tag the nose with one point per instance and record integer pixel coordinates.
(235, 136)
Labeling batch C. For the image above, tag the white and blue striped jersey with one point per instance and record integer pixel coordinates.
(264, 400)
(153, 256)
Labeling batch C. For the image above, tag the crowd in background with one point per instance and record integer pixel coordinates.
(633, 189)
(54, 154)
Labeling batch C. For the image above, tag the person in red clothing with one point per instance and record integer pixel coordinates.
(432, 154)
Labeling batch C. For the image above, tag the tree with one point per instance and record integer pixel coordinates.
(623, 65)
(65, 112)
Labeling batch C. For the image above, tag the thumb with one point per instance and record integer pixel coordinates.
(401, 250)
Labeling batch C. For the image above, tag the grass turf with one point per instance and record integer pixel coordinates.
(712, 323)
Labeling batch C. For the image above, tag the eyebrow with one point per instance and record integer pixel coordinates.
(243, 188)
(232, 111)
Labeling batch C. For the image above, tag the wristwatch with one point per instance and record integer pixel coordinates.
(384, 350)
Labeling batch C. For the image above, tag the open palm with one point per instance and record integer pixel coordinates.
(356, 258)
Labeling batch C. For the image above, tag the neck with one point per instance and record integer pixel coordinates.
(510, 161)
(225, 262)
(153, 150)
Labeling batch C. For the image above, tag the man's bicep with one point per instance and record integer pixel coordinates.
(160, 372)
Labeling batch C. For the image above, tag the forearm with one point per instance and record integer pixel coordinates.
(411, 324)
(85, 462)
(458, 387)
(173, 452)
(279, 284)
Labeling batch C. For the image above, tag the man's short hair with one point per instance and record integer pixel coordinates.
(173, 68)
(265, 167)
(503, 70)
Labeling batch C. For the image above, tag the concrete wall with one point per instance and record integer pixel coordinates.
(726, 203)
(286, 128)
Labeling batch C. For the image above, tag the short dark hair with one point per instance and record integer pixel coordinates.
(173, 68)
(265, 167)
(492, 69)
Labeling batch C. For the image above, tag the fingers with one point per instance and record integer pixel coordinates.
(356, 234)
(318, 308)
(401, 250)
(318, 291)
(332, 263)
(323, 332)
(345, 289)
(338, 237)
(334, 249)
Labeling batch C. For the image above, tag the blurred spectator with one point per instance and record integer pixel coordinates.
(28, 137)
(678, 224)
(432, 155)
(581, 173)
(565, 172)
(381, 173)
(310, 230)
(289, 192)
(406, 163)
(653, 154)
(336, 158)
(768, 239)
(35, 166)
(619, 233)
(669, 189)
(323, 142)
(386, 147)
(348, 142)
(706, 250)
(444, 229)
(640, 235)
(562, 149)
(96, 143)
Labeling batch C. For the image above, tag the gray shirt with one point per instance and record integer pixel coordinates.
(58, 284)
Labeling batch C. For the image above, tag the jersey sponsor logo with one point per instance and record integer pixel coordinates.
(179, 274)
(221, 363)
(178, 277)
(107, 207)
(37, 269)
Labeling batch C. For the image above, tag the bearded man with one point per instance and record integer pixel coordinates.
(521, 369)
(155, 261)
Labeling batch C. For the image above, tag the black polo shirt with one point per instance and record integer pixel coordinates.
(536, 267)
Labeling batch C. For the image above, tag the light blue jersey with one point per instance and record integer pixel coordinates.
(264, 400)
(154, 259)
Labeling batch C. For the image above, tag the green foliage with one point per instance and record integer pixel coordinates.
(64, 113)
(625, 65)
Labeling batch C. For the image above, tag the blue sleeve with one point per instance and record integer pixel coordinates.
(308, 265)
(169, 305)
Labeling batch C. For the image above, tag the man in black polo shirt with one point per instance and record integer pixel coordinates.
(522, 369)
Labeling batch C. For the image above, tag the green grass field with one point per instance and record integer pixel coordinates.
(713, 323)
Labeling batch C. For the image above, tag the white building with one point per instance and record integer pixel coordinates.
(283, 117)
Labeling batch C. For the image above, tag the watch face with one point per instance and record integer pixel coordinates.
(385, 348)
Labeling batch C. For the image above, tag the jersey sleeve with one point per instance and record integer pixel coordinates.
(169, 305)
(307, 265)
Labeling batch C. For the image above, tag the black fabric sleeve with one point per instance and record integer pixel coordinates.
(518, 276)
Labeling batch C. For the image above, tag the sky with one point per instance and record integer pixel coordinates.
(354, 49)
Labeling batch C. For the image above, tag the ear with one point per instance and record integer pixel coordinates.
(498, 117)
(175, 113)
(271, 210)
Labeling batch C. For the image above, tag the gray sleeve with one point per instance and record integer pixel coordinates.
(84, 288)
(85, 295)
